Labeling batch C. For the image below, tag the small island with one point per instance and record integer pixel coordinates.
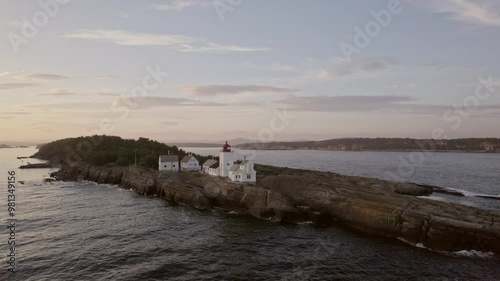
(36, 166)
(368, 205)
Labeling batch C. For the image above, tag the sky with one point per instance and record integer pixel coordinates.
(266, 70)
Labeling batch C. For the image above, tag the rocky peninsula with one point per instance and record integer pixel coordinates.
(286, 195)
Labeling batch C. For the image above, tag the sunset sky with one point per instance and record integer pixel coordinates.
(241, 68)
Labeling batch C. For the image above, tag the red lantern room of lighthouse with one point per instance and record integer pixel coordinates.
(226, 148)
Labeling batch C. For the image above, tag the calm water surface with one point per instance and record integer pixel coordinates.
(471, 173)
(84, 231)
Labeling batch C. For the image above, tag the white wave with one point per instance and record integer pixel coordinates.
(436, 198)
(462, 253)
(470, 193)
(472, 254)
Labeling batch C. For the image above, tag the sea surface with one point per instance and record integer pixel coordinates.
(471, 174)
(85, 231)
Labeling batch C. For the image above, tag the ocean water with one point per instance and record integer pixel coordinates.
(84, 231)
(469, 173)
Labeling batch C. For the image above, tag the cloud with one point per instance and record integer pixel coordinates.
(477, 12)
(179, 5)
(175, 42)
(215, 90)
(10, 86)
(377, 104)
(170, 123)
(106, 77)
(357, 65)
(39, 76)
(14, 113)
(144, 103)
(60, 93)
(107, 93)
(344, 103)
(275, 67)
(155, 102)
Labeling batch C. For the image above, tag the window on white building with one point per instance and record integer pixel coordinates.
(249, 177)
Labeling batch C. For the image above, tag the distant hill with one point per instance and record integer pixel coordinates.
(220, 143)
(195, 144)
(384, 144)
(5, 146)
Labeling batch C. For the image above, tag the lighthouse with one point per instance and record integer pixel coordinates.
(227, 159)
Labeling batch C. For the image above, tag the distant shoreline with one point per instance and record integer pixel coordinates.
(468, 145)
(370, 150)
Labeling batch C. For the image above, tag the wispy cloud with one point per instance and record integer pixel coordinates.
(14, 113)
(478, 12)
(106, 77)
(60, 93)
(144, 104)
(215, 90)
(343, 103)
(179, 5)
(10, 86)
(376, 104)
(156, 102)
(274, 67)
(170, 123)
(39, 76)
(357, 65)
(176, 42)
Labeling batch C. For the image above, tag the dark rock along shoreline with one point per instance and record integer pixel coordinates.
(368, 205)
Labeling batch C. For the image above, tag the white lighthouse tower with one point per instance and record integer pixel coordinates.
(227, 159)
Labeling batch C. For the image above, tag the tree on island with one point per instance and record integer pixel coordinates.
(110, 151)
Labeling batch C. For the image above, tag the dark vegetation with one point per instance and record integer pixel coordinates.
(385, 144)
(110, 151)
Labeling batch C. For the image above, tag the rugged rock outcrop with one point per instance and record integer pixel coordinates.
(193, 189)
(369, 205)
(377, 210)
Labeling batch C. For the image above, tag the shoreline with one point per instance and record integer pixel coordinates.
(368, 205)
(369, 150)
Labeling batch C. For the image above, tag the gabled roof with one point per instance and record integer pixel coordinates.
(169, 158)
(215, 165)
(209, 162)
(234, 168)
(187, 158)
